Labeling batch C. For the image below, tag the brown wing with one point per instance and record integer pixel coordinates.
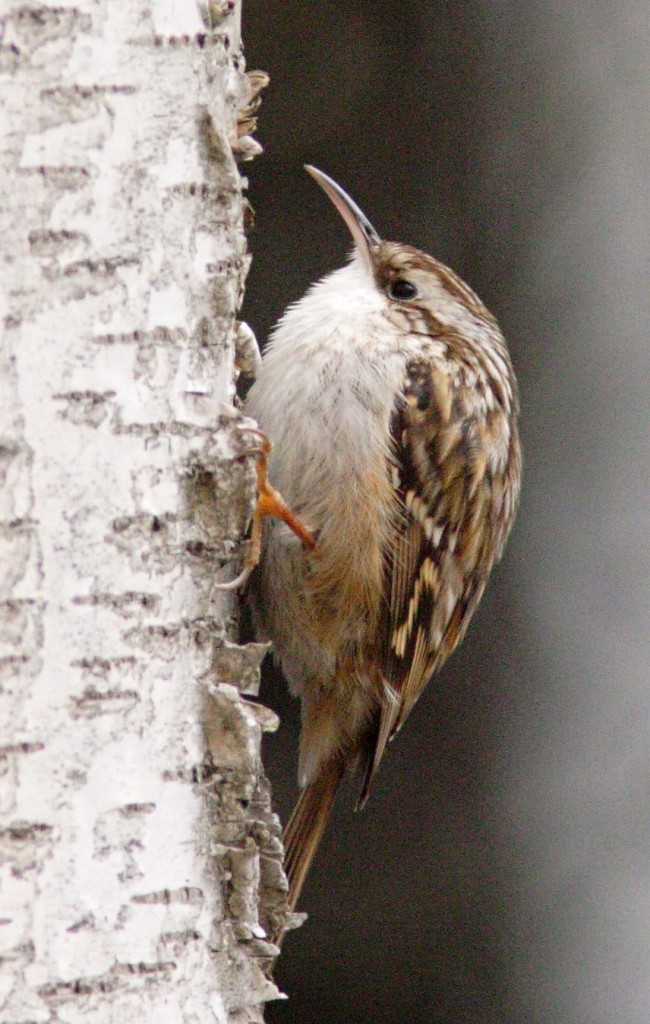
(456, 481)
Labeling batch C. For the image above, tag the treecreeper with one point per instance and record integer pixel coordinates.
(391, 402)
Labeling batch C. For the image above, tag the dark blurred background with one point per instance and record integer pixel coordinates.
(501, 870)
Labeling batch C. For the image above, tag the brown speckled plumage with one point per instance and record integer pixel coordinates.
(390, 396)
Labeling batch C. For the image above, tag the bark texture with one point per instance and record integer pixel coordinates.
(138, 852)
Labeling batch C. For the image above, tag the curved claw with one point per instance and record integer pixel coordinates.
(269, 503)
(239, 581)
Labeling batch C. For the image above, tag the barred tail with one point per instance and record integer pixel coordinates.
(306, 825)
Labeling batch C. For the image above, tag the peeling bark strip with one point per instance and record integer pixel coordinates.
(138, 851)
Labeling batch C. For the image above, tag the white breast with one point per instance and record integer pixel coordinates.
(327, 387)
(325, 393)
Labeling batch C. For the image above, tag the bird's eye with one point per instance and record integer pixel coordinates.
(400, 288)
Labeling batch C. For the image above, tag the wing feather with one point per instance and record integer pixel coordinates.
(451, 529)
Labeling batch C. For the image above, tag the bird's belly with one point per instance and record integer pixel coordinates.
(329, 421)
(345, 510)
(323, 605)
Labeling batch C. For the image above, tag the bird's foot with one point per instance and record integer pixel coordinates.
(269, 503)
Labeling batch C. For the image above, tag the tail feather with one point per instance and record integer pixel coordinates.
(306, 825)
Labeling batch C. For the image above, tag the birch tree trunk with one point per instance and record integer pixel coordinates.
(139, 857)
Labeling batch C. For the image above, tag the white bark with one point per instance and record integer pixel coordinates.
(135, 823)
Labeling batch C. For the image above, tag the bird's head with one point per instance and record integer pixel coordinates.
(412, 282)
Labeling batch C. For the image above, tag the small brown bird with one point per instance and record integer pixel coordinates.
(392, 404)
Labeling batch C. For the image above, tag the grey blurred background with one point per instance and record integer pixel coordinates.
(501, 870)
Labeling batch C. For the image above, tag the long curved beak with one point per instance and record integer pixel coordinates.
(365, 237)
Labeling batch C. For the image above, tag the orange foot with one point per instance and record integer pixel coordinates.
(269, 503)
